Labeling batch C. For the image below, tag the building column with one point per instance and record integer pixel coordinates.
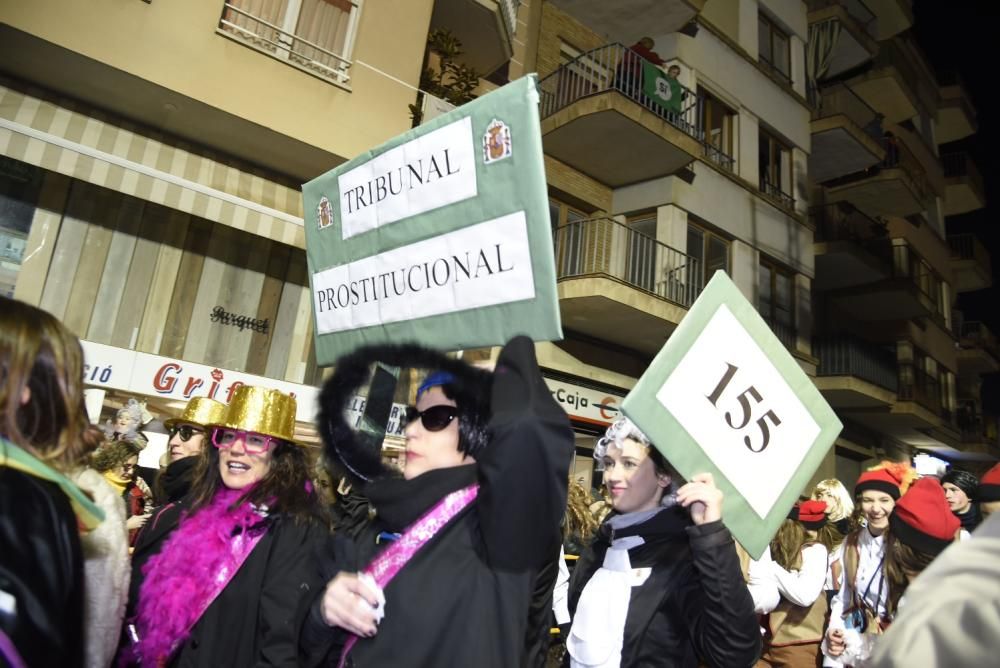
(798, 56)
(803, 314)
(749, 137)
(744, 269)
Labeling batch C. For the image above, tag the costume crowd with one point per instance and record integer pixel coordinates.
(480, 552)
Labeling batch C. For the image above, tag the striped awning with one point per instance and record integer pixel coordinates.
(88, 145)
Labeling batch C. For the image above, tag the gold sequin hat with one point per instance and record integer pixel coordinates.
(262, 411)
(200, 411)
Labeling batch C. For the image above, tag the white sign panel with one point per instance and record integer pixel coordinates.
(730, 398)
(426, 173)
(476, 266)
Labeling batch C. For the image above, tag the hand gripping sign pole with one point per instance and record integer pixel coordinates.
(725, 396)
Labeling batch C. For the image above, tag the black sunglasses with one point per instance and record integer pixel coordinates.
(186, 431)
(434, 418)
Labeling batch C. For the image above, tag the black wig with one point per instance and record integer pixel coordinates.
(361, 454)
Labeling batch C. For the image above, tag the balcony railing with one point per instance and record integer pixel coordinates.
(851, 357)
(917, 385)
(858, 10)
(975, 334)
(974, 426)
(891, 54)
(899, 156)
(603, 246)
(786, 333)
(284, 45)
(968, 247)
(613, 67)
(775, 192)
(840, 99)
(906, 263)
(844, 222)
(720, 157)
(960, 164)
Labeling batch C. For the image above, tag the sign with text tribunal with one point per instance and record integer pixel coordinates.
(439, 236)
(726, 397)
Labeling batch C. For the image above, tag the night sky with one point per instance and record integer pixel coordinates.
(960, 36)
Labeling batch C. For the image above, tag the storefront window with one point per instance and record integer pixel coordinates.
(19, 186)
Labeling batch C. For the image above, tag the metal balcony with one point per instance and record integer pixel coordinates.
(850, 248)
(846, 134)
(964, 190)
(622, 286)
(970, 263)
(598, 119)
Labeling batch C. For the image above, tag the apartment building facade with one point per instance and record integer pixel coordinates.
(151, 156)
(896, 361)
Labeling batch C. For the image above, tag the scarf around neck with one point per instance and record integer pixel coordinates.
(179, 580)
(117, 482)
(88, 514)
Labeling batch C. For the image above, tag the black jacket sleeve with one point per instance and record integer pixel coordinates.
(291, 577)
(717, 603)
(524, 470)
(41, 571)
(320, 644)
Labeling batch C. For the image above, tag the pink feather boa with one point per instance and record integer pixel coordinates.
(181, 577)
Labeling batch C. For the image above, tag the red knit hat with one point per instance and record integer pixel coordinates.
(812, 514)
(891, 478)
(923, 519)
(989, 486)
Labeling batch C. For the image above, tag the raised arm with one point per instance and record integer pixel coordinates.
(524, 470)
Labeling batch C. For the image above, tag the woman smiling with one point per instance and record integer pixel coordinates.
(661, 585)
(224, 568)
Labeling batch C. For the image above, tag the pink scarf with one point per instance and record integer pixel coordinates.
(192, 568)
(391, 560)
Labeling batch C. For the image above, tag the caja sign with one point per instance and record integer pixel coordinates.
(585, 404)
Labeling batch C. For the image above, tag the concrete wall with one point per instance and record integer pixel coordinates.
(175, 45)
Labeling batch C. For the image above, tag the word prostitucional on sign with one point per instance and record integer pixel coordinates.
(726, 397)
(440, 236)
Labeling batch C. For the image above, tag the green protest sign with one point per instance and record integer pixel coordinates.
(724, 396)
(439, 236)
(660, 88)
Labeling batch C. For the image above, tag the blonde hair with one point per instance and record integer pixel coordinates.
(842, 505)
(41, 359)
(579, 520)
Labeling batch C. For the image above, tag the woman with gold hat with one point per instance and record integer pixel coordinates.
(187, 442)
(226, 565)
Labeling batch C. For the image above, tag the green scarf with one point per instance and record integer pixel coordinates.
(88, 514)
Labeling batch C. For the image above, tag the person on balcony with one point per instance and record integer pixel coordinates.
(628, 74)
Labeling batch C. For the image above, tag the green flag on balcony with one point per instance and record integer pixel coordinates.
(662, 89)
(440, 236)
(724, 396)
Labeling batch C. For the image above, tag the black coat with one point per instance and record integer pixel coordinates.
(463, 599)
(695, 605)
(251, 622)
(41, 566)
